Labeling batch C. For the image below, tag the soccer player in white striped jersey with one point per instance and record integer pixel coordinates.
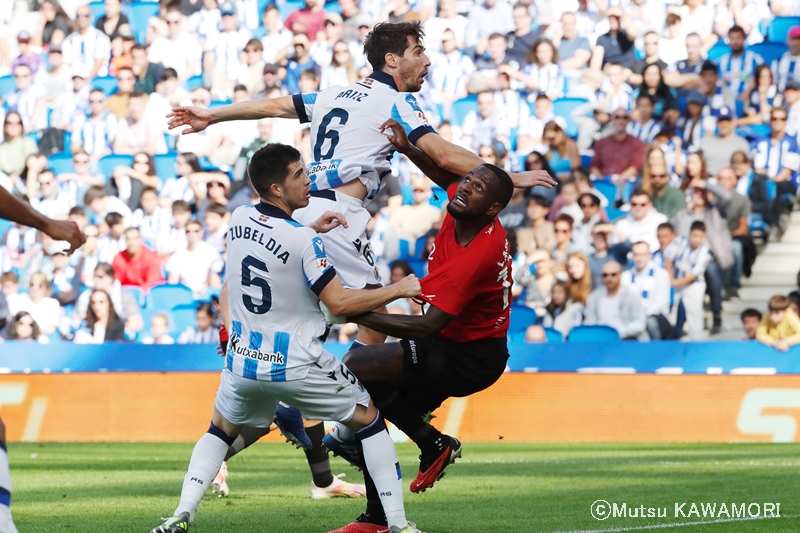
(278, 272)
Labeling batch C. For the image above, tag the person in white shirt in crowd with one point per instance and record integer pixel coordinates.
(277, 37)
(179, 49)
(215, 141)
(102, 323)
(72, 103)
(653, 284)
(23, 328)
(778, 156)
(86, 259)
(126, 183)
(791, 95)
(484, 126)
(209, 187)
(449, 72)
(152, 220)
(45, 310)
(686, 259)
(493, 16)
(204, 332)
(17, 301)
(642, 222)
(584, 225)
(175, 239)
(159, 330)
(615, 92)
(738, 66)
(788, 66)
(685, 74)
(95, 132)
(530, 132)
(178, 187)
(75, 184)
(672, 47)
(101, 204)
(321, 50)
(198, 266)
(124, 303)
(340, 69)
(745, 14)
(27, 99)
(56, 80)
(112, 241)
(698, 18)
(645, 127)
(251, 73)
(215, 222)
(168, 93)
(137, 134)
(87, 45)
(617, 306)
(447, 19)
(47, 198)
(541, 73)
(206, 22)
(223, 49)
(64, 279)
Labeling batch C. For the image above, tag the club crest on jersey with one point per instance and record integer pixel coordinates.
(263, 218)
(421, 117)
(322, 262)
(367, 81)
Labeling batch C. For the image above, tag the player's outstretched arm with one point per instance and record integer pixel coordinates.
(424, 162)
(15, 210)
(199, 119)
(425, 326)
(344, 302)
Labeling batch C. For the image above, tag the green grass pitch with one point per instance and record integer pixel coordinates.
(501, 487)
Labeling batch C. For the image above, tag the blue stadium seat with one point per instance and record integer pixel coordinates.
(333, 7)
(627, 191)
(441, 194)
(607, 189)
(718, 50)
(166, 296)
(194, 82)
(4, 225)
(772, 189)
(140, 13)
(553, 335)
(108, 163)
(107, 84)
(615, 214)
(7, 84)
(61, 163)
(165, 165)
(779, 28)
(563, 107)
(218, 103)
(593, 334)
(262, 5)
(98, 10)
(405, 249)
(137, 293)
(757, 225)
(418, 266)
(181, 317)
(210, 292)
(770, 51)
(521, 318)
(586, 160)
(461, 108)
(682, 106)
(287, 7)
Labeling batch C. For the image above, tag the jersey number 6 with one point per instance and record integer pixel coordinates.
(324, 133)
(249, 280)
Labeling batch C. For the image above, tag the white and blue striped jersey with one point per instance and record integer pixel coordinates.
(276, 269)
(345, 140)
(774, 157)
(737, 71)
(96, 137)
(644, 132)
(686, 260)
(786, 68)
(85, 49)
(449, 73)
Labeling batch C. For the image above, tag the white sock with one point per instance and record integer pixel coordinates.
(6, 522)
(344, 432)
(380, 457)
(207, 457)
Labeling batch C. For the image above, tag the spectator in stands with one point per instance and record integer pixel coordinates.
(617, 306)
(16, 300)
(641, 223)
(690, 125)
(537, 280)
(137, 264)
(95, 132)
(603, 252)
(179, 187)
(484, 20)
(753, 186)
(791, 95)
(204, 332)
(536, 161)
(64, 279)
(651, 57)
(781, 327)
(777, 156)
(751, 320)
(564, 245)
(448, 18)
(583, 226)
(43, 191)
(137, 134)
(101, 204)
(24, 328)
(54, 24)
(615, 93)
(299, 62)
(55, 80)
(619, 155)
(686, 260)
(398, 11)
(223, 48)
(574, 51)
(416, 219)
(198, 266)
(128, 183)
(788, 66)
(483, 126)
(738, 66)
(102, 323)
(45, 309)
(114, 21)
(540, 234)
(309, 20)
(27, 99)
(179, 49)
(152, 220)
(653, 284)
(561, 314)
(26, 55)
(541, 73)
(87, 258)
(112, 240)
(645, 127)
(719, 148)
(276, 37)
(450, 71)
(209, 187)
(175, 239)
(159, 330)
(121, 51)
(87, 46)
(566, 203)
(759, 96)
(666, 200)
(118, 102)
(216, 226)
(522, 39)
(579, 278)
(531, 130)
(340, 70)
(614, 46)
(125, 305)
(562, 152)
(146, 74)
(487, 69)
(665, 103)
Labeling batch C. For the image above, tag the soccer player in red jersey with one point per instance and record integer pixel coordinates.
(458, 347)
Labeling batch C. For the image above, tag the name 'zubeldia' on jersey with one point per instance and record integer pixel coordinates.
(252, 234)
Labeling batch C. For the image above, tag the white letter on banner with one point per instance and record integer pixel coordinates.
(12, 394)
(752, 421)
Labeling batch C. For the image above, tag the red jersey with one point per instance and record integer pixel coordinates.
(472, 282)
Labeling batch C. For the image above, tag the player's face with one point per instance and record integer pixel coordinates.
(475, 196)
(296, 188)
(413, 67)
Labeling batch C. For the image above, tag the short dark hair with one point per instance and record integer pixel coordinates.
(698, 225)
(389, 38)
(149, 189)
(310, 74)
(77, 210)
(206, 308)
(182, 206)
(106, 268)
(404, 265)
(750, 312)
(592, 197)
(736, 29)
(539, 200)
(563, 217)
(645, 96)
(194, 222)
(240, 87)
(93, 194)
(665, 225)
(96, 90)
(640, 192)
(503, 195)
(216, 208)
(496, 35)
(113, 218)
(137, 46)
(270, 164)
(168, 73)
(136, 93)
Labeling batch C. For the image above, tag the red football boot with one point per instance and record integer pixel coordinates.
(429, 475)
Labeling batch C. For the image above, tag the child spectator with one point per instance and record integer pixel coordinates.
(175, 239)
(159, 330)
(751, 320)
(216, 226)
(686, 261)
(540, 233)
(204, 332)
(781, 327)
(152, 220)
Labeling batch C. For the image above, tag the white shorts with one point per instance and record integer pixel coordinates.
(348, 249)
(328, 392)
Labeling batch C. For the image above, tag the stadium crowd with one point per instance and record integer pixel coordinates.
(670, 125)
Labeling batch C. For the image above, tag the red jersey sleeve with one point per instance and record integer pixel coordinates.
(444, 288)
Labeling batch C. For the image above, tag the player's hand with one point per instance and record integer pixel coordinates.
(328, 221)
(398, 136)
(196, 118)
(65, 230)
(409, 286)
(531, 178)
